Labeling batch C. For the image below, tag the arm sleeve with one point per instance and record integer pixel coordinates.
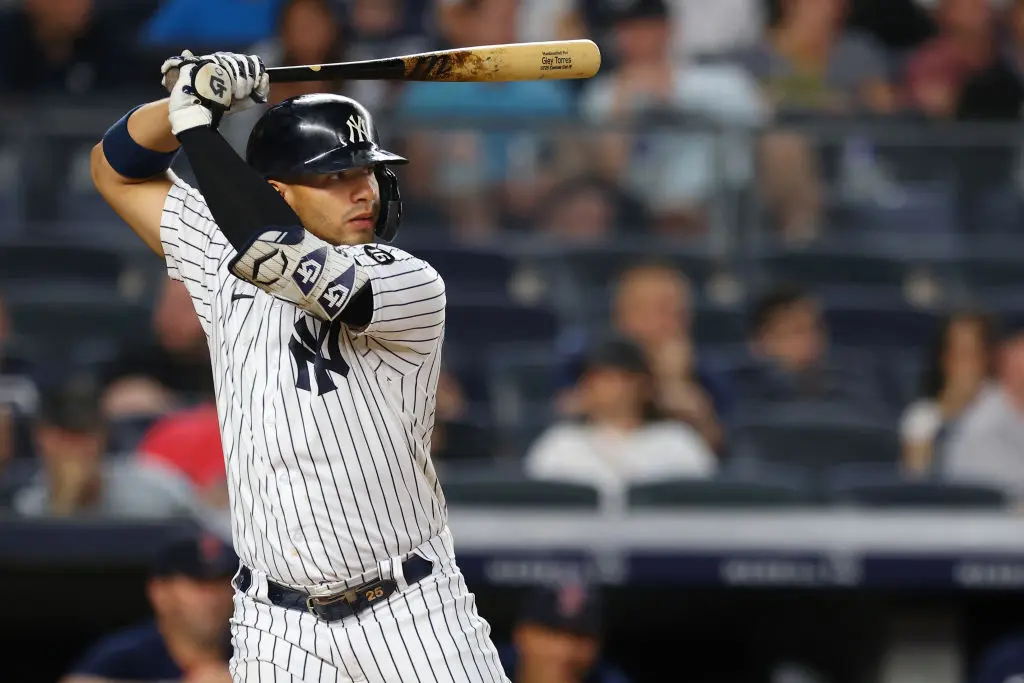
(193, 247)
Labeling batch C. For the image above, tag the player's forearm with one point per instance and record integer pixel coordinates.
(140, 146)
(149, 126)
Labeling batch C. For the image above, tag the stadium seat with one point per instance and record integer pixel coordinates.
(717, 493)
(48, 263)
(571, 273)
(479, 326)
(494, 485)
(879, 487)
(467, 270)
(816, 437)
(58, 319)
(520, 375)
(715, 326)
(823, 268)
(992, 270)
(923, 216)
(875, 327)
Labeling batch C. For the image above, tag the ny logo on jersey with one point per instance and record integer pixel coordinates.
(358, 131)
(308, 350)
(309, 269)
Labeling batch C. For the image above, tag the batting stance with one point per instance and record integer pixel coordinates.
(326, 350)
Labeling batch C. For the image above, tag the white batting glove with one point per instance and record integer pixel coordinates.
(243, 79)
(200, 96)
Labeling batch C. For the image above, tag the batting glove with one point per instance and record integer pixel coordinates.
(222, 83)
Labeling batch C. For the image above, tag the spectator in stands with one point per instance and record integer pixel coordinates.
(190, 592)
(171, 370)
(959, 367)
(306, 32)
(790, 360)
(479, 176)
(557, 639)
(988, 445)
(702, 30)
(78, 477)
(675, 173)
(587, 210)
(621, 437)
(380, 29)
(996, 93)
(810, 66)
(653, 306)
(937, 71)
(218, 24)
(62, 47)
(993, 93)
(188, 441)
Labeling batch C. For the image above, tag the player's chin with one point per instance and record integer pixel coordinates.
(358, 231)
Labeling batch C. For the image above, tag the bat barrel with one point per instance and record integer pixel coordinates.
(553, 60)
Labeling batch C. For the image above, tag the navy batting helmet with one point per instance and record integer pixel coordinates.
(321, 133)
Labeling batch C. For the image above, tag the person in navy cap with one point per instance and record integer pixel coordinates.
(188, 641)
(557, 639)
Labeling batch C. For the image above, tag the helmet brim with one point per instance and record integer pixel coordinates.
(345, 158)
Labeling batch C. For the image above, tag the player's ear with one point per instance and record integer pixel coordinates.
(280, 187)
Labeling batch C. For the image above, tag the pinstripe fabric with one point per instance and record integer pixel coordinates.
(429, 632)
(326, 434)
(326, 430)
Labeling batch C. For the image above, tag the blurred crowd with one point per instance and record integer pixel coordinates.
(700, 105)
(745, 76)
(636, 397)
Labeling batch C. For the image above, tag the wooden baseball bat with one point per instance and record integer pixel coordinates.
(557, 59)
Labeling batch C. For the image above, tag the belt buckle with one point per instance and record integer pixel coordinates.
(313, 603)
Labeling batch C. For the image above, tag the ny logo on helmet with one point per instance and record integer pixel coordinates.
(358, 131)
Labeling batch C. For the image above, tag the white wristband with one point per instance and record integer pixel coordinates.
(190, 117)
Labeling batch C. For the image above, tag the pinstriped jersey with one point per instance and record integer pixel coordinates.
(326, 429)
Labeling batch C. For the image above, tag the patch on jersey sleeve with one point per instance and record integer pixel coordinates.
(309, 270)
(337, 293)
(379, 255)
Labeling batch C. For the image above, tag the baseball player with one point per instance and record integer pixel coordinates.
(325, 349)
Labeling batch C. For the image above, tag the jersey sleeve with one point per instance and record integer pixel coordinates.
(193, 246)
(409, 299)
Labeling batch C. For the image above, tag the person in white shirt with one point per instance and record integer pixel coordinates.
(959, 369)
(621, 440)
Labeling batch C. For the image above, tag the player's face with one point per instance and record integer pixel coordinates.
(551, 655)
(198, 609)
(340, 208)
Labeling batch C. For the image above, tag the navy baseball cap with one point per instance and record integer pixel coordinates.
(570, 607)
(197, 555)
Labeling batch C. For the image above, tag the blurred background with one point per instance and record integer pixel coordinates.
(735, 342)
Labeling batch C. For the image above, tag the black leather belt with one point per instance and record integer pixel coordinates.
(339, 605)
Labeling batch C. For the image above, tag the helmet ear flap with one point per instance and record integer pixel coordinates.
(390, 204)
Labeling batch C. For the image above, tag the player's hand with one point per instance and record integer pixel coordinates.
(204, 88)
